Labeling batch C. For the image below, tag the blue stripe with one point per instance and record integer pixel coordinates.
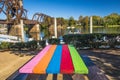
(54, 65)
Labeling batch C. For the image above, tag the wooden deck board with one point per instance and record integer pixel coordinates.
(94, 72)
(79, 77)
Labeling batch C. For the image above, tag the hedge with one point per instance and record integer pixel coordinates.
(92, 40)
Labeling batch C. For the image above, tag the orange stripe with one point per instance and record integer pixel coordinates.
(43, 63)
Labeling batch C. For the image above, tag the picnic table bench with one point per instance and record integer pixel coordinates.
(68, 65)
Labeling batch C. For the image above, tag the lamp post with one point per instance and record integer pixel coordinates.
(91, 25)
(55, 27)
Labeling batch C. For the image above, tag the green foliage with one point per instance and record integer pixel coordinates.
(112, 19)
(109, 29)
(61, 21)
(0, 25)
(44, 27)
(5, 45)
(84, 22)
(31, 45)
(91, 40)
(71, 21)
(42, 43)
(26, 28)
(53, 41)
(97, 20)
(18, 46)
(45, 30)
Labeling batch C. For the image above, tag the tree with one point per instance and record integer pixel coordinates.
(44, 27)
(119, 20)
(80, 19)
(97, 20)
(85, 23)
(112, 19)
(71, 21)
(61, 21)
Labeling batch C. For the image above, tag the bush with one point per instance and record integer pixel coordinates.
(54, 41)
(5, 45)
(31, 45)
(42, 43)
(91, 40)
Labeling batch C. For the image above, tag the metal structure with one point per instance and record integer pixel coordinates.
(13, 9)
(39, 18)
(16, 16)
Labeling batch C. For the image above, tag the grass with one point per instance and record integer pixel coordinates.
(113, 25)
(108, 26)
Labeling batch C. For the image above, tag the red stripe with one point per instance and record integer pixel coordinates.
(66, 61)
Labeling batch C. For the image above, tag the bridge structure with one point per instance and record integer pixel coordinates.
(16, 18)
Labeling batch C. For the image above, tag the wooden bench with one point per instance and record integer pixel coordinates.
(94, 74)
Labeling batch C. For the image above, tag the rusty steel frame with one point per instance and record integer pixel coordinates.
(40, 17)
(14, 11)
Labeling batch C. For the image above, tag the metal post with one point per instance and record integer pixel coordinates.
(22, 30)
(55, 27)
(91, 25)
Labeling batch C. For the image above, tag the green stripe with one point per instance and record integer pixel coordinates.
(79, 65)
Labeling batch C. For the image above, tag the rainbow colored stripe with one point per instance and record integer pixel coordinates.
(56, 59)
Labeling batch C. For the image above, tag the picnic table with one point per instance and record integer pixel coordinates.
(57, 59)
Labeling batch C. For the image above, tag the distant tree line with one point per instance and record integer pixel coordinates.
(82, 22)
(112, 19)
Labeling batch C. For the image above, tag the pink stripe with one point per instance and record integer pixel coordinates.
(28, 68)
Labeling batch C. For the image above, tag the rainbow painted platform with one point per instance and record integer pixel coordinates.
(56, 59)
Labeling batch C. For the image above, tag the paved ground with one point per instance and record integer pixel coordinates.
(107, 60)
(10, 62)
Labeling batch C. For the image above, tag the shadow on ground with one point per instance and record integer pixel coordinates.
(24, 53)
(106, 60)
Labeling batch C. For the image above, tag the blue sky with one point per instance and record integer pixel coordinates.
(75, 8)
